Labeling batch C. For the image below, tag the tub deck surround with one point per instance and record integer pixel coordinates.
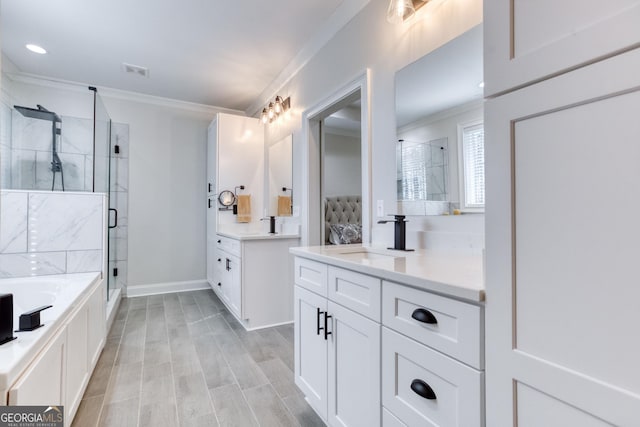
(453, 273)
(64, 292)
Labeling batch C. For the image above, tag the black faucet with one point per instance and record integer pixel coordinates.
(399, 232)
(272, 224)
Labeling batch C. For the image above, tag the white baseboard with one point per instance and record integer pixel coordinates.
(166, 288)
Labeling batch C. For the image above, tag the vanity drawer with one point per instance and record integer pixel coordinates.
(359, 292)
(458, 328)
(311, 275)
(226, 244)
(410, 368)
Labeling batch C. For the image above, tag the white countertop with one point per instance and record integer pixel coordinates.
(452, 273)
(256, 235)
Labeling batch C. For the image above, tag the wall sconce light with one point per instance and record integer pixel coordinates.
(402, 10)
(275, 108)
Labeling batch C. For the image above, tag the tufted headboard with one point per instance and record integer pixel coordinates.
(341, 210)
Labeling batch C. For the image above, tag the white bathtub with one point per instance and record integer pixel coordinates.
(63, 292)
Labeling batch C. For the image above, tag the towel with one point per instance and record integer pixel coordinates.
(284, 206)
(244, 208)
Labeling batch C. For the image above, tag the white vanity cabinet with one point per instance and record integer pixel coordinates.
(235, 157)
(337, 350)
(254, 278)
(370, 351)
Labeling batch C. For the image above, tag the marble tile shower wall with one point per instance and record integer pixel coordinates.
(27, 153)
(118, 236)
(44, 233)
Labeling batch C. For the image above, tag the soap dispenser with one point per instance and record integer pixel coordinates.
(6, 318)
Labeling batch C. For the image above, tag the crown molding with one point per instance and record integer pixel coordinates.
(344, 13)
(106, 92)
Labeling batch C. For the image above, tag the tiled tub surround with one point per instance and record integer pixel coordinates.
(44, 233)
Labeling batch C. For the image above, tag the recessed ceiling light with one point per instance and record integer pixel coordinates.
(36, 49)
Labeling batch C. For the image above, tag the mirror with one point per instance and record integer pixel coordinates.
(439, 115)
(280, 166)
(226, 198)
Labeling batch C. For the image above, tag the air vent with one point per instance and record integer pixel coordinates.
(135, 69)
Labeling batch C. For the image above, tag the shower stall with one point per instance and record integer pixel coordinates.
(43, 150)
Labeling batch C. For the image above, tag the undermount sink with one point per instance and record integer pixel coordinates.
(365, 254)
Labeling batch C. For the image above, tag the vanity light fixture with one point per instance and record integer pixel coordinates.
(275, 109)
(402, 10)
(36, 49)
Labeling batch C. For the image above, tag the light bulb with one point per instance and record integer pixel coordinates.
(36, 49)
(278, 105)
(271, 113)
(263, 117)
(400, 11)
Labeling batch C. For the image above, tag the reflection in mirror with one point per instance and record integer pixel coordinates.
(280, 177)
(439, 115)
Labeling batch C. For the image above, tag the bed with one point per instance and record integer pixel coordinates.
(342, 220)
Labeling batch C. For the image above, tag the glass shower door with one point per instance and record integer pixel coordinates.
(102, 183)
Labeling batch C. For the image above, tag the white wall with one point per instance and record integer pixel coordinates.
(369, 41)
(342, 165)
(167, 175)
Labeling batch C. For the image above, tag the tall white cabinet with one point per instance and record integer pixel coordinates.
(562, 147)
(235, 157)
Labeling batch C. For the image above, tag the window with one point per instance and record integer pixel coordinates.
(422, 170)
(472, 150)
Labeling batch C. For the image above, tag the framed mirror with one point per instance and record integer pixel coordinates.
(440, 131)
(279, 167)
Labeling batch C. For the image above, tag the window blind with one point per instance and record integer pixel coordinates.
(473, 151)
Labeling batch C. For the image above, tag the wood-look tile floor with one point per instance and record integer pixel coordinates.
(183, 360)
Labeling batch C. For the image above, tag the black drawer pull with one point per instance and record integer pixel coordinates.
(425, 316)
(318, 327)
(423, 389)
(326, 328)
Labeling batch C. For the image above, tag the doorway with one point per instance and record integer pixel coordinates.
(337, 155)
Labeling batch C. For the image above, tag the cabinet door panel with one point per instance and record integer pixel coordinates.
(77, 360)
(97, 325)
(354, 369)
(556, 318)
(526, 41)
(310, 349)
(43, 382)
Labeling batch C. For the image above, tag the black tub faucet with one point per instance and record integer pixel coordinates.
(399, 232)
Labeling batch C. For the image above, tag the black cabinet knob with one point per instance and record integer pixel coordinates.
(423, 389)
(425, 316)
(219, 260)
(219, 284)
(219, 241)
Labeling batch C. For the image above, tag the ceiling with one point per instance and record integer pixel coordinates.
(212, 52)
(445, 78)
